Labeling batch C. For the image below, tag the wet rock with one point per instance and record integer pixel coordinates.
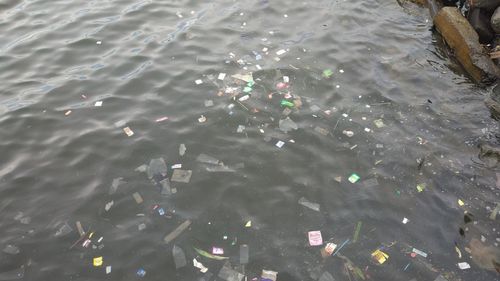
(419, 2)
(493, 102)
(464, 41)
(485, 4)
(495, 21)
(486, 257)
(479, 21)
(490, 155)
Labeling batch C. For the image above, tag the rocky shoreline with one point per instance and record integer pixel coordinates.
(471, 28)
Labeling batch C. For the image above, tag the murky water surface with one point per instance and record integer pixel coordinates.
(370, 92)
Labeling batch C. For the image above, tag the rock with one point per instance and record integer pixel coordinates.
(486, 4)
(481, 25)
(490, 155)
(464, 41)
(495, 21)
(486, 257)
(493, 102)
(419, 2)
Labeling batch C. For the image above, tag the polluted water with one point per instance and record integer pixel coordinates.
(242, 140)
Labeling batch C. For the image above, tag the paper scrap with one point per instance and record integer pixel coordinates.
(354, 178)
(161, 119)
(269, 275)
(108, 205)
(460, 202)
(98, 103)
(138, 198)
(97, 261)
(221, 76)
(459, 253)
(248, 224)
(330, 248)
(379, 123)
(418, 252)
(217, 251)
(200, 266)
(198, 81)
(108, 269)
(280, 52)
(128, 131)
(405, 220)
(463, 265)
(244, 98)
(315, 238)
(380, 256)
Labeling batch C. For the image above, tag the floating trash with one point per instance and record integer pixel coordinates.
(327, 73)
(157, 167)
(210, 256)
(128, 131)
(181, 175)
(97, 261)
(244, 254)
(348, 133)
(182, 149)
(269, 275)
(137, 197)
(63, 230)
(311, 205)
(315, 238)
(11, 250)
(280, 144)
(141, 272)
(379, 256)
(326, 276)
(207, 159)
(179, 257)
(353, 178)
(174, 234)
(463, 265)
(287, 125)
(229, 274)
(200, 266)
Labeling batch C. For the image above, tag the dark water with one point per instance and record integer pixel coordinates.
(58, 168)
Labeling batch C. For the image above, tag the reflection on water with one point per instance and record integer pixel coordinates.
(194, 140)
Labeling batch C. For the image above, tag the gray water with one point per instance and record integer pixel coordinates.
(60, 152)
